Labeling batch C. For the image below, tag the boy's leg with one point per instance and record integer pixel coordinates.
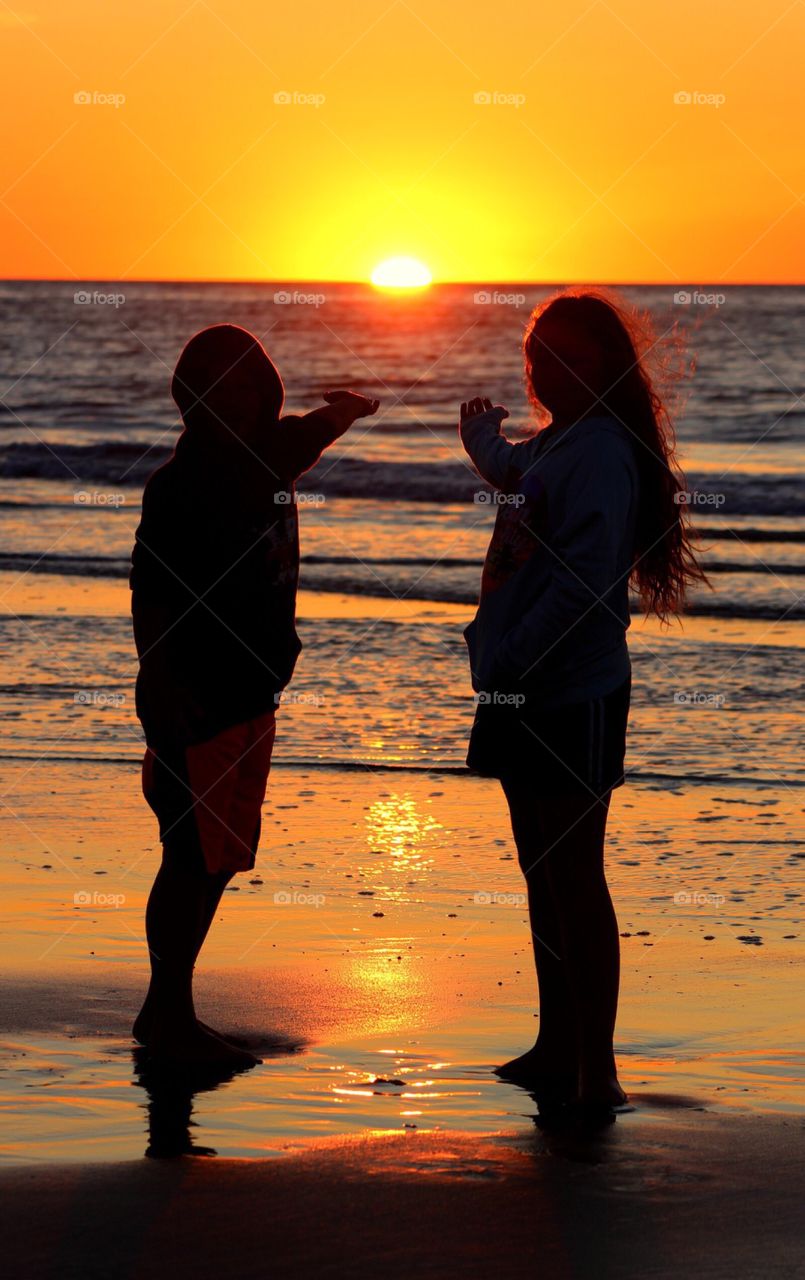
(208, 799)
(183, 901)
(179, 911)
(172, 924)
(213, 888)
(215, 891)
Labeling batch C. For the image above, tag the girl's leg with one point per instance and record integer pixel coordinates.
(555, 1054)
(574, 830)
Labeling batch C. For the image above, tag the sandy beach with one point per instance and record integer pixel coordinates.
(685, 1194)
(378, 958)
(384, 925)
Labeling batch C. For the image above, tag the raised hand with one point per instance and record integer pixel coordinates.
(472, 408)
(351, 405)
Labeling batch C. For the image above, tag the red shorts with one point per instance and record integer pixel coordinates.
(208, 797)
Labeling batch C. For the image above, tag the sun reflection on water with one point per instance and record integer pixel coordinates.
(399, 835)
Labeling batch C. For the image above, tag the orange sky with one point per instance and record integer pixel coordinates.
(583, 168)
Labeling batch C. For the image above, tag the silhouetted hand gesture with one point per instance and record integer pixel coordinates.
(471, 409)
(351, 405)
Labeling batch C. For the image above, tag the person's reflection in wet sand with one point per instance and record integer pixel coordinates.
(555, 1117)
(568, 1122)
(171, 1091)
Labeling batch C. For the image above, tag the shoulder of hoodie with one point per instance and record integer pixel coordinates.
(161, 486)
(168, 496)
(600, 441)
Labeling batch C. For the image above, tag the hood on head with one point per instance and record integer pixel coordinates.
(224, 376)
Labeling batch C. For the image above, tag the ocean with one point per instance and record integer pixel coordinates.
(378, 957)
(394, 523)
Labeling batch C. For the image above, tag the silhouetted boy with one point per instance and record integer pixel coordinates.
(214, 577)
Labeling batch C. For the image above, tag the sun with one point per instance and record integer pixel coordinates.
(401, 273)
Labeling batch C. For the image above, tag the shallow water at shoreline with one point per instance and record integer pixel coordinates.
(384, 682)
(379, 958)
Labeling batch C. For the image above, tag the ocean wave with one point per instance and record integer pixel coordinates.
(757, 566)
(126, 462)
(444, 582)
(639, 777)
(110, 461)
(715, 532)
(67, 566)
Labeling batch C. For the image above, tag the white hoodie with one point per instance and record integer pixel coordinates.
(554, 607)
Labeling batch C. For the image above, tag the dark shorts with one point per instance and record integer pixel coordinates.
(208, 797)
(572, 750)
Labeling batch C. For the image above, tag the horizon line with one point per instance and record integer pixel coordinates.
(487, 280)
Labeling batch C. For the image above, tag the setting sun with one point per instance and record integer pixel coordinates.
(401, 273)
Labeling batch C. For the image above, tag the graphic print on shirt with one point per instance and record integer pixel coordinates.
(279, 544)
(520, 519)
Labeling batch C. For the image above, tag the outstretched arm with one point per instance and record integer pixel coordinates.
(300, 441)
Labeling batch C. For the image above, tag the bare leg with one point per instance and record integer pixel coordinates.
(179, 913)
(213, 890)
(554, 1057)
(574, 830)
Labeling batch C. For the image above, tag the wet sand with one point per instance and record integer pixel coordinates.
(378, 958)
(691, 1194)
(383, 937)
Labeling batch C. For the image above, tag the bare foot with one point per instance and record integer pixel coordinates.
(143, 1023)
(601, 1091)
(197, 1046)
(540, 1072)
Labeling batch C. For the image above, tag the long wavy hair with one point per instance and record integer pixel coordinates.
(622, 345)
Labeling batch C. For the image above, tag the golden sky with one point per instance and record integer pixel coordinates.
(577, 164)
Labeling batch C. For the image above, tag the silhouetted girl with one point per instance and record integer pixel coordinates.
(586, 507)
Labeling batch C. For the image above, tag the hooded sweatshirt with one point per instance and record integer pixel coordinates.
(554, 608)
(215, 564)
